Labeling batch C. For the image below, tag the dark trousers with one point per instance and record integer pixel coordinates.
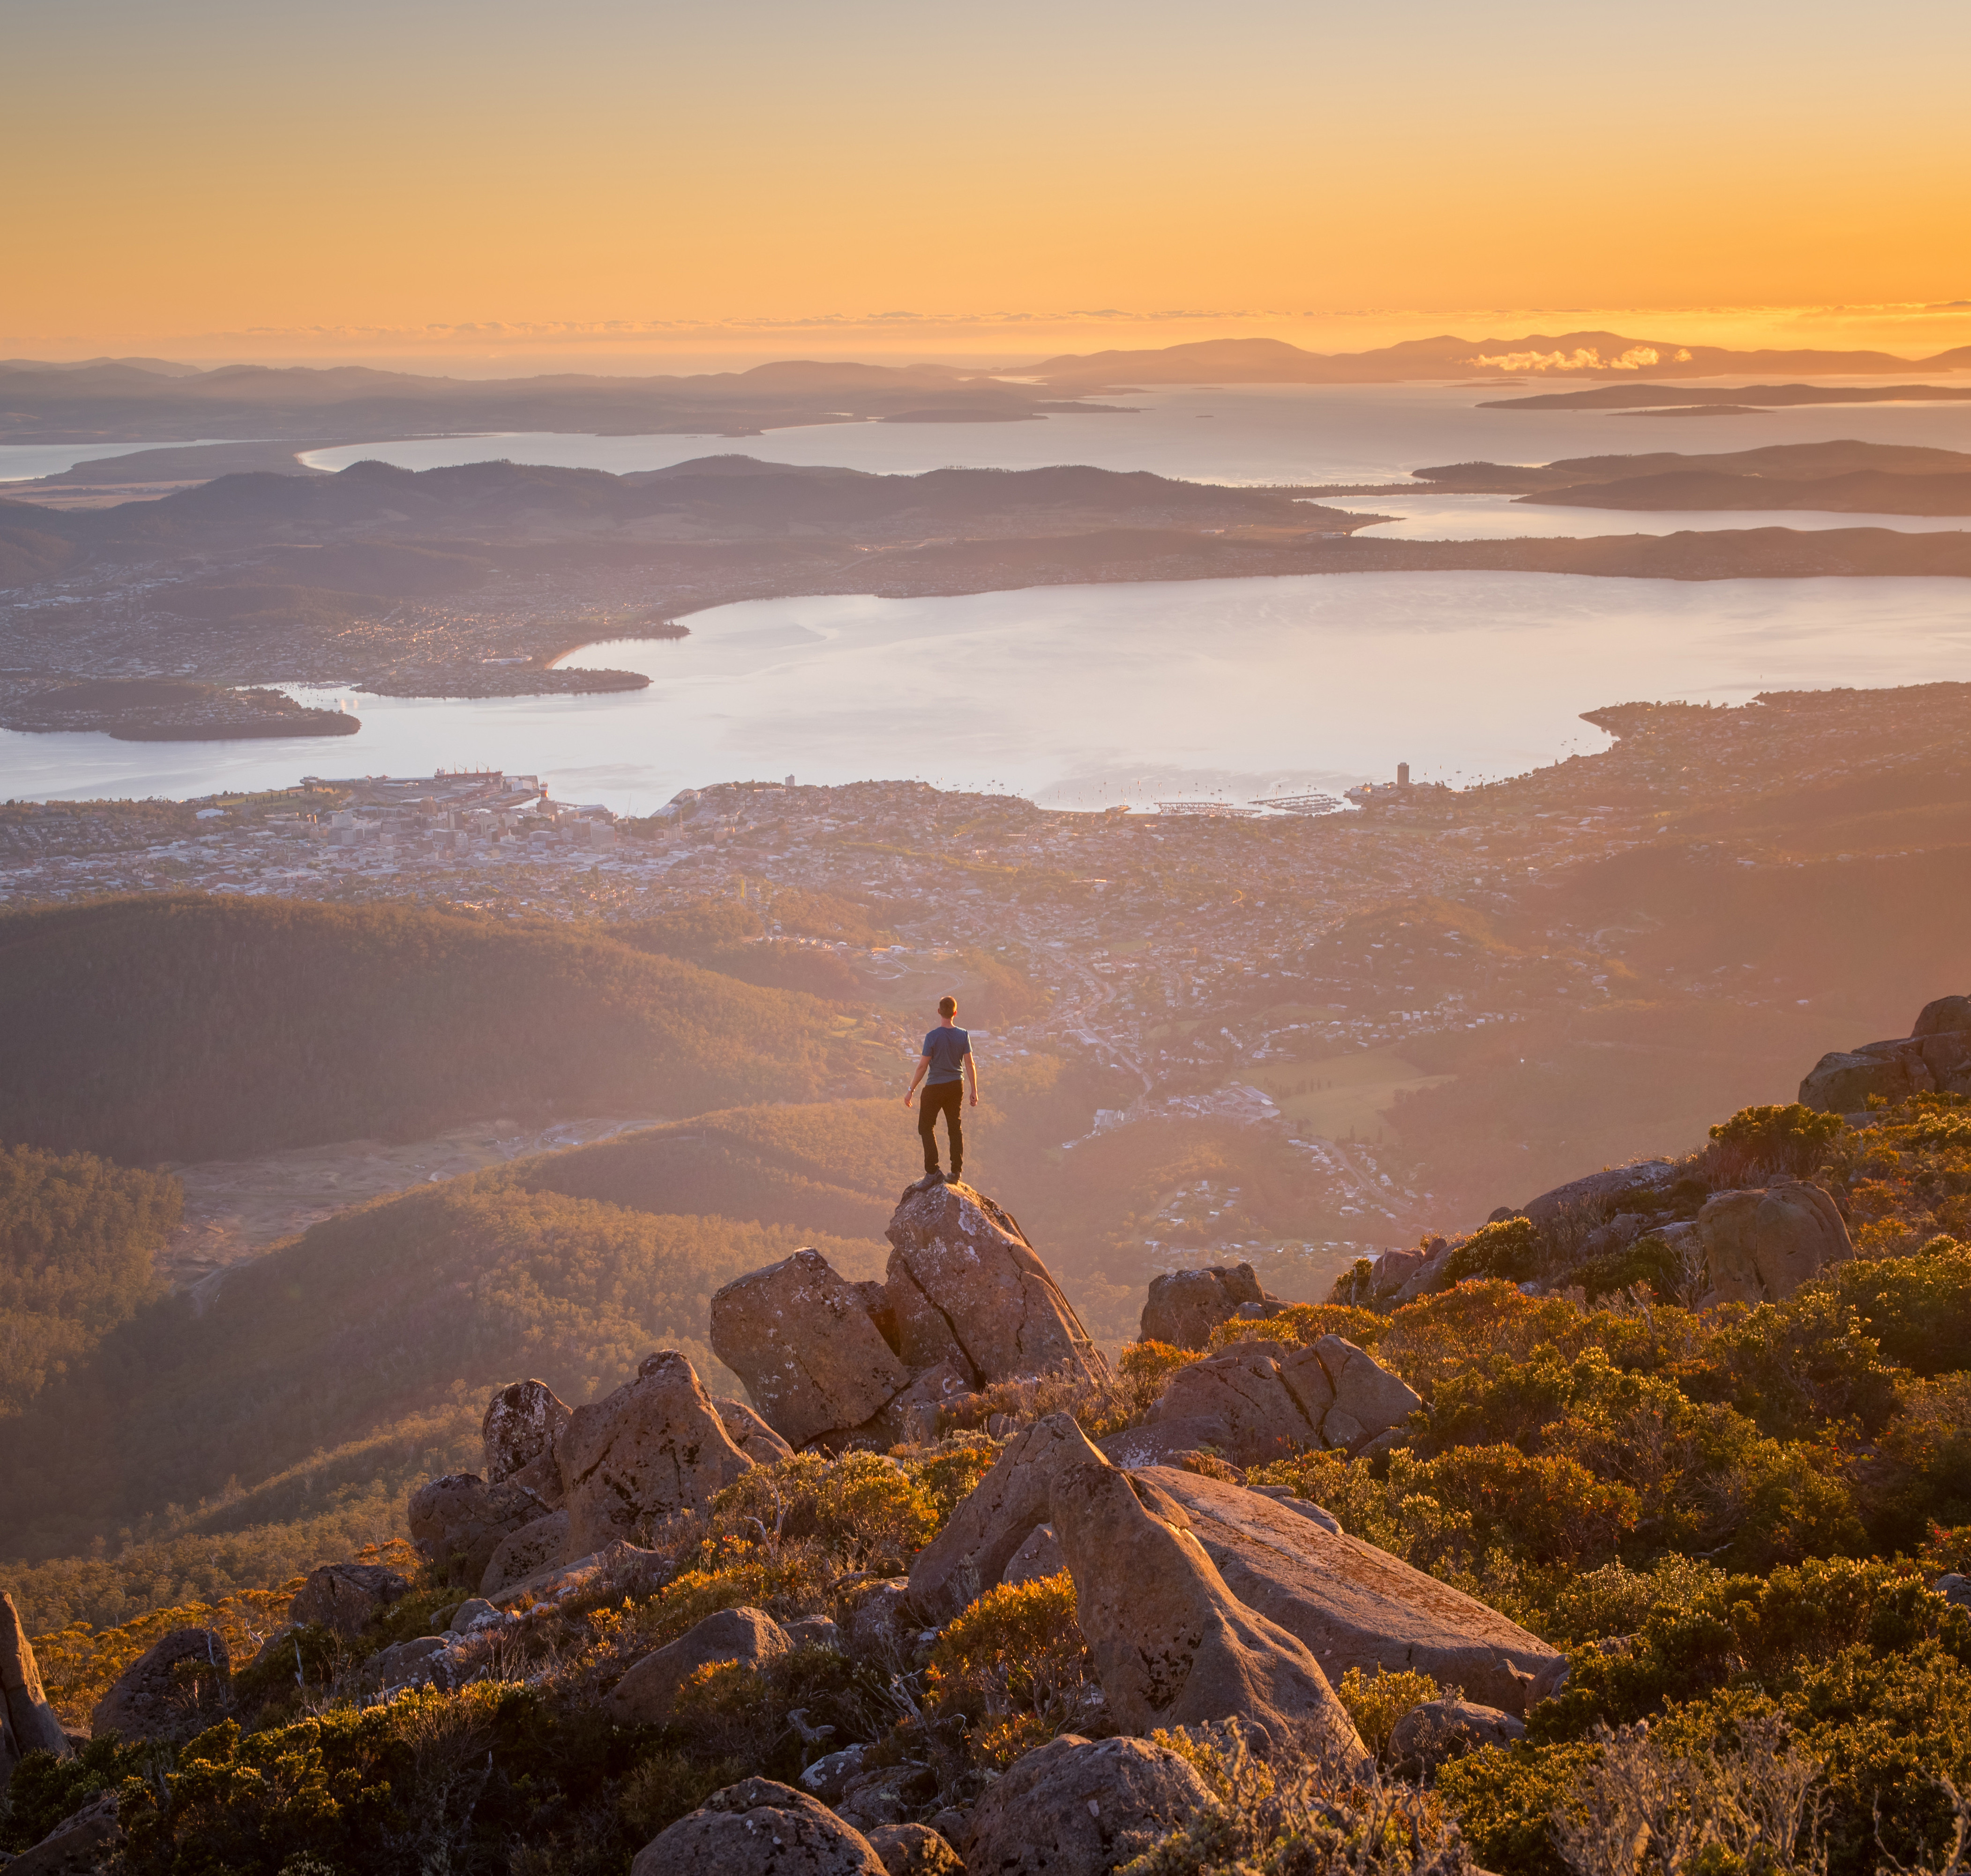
(945, 1098)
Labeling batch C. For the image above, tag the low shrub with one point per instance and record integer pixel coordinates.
(1015, 1664)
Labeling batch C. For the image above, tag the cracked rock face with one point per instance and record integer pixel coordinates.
(655, 1446)
(176, 1688)
(1935, 1055)
(1172, 1645)
(804, 1341)
(967, 1288)
(1762, 1245)
(1081, 1807)
(458, 1521)
(758, 1828)
(523, 1422)
(1355, 1606)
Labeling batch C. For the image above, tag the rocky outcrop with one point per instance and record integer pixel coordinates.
(457, 1522)
(1258, 1401)
(90, 1841)
(523, 1422)
(1185, 1306)
(758, 1828)
(1171, 1645)
(1036, 1559)
(996, 1517)
(752, 1434)
(345, 1597)
(174, 1688)
(1935, 1056)
(1439, 1730)
(1762, 1245)
(1615, 1188)
(1081, 1807)
(802, 1339)
(655, 1446)
(966, 1302)
(914, 1850)
(30, 1719)
(875, 1625)
(645, 1696)
(967, 1288)
(522, 1553)
(1353, 1605)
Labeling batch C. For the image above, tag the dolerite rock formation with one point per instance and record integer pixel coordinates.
(1185, 1306)
(802, 1339)
(344, 1596)
(175, 1688)
(523, 1422)
(758, 1828)
(457, 1522)
(1438, 1730)
(1762, 1245)
(914, 1850)
(90, 1842)
(1081, 1807)
(1354, 1605)
(752, 1434)
(1172, 1645)
(966, 1301)
(1258, 1401)
(532, 1547)
(1935, 1056)
(31, 1720)
(967, 1288)
(655, 1446)
(645, 1696)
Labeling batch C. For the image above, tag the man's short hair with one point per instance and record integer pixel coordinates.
(947, 1006)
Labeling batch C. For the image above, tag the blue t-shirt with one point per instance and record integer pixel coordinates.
(946, 1049)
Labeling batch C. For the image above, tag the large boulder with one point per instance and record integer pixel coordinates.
(1171, 1645)
(174, 1688)
(90, 1842)
(996, 1517)
(1762, 1245)
(1946, 1016)
(523, 1553)
(758, 1828)
(1429, 1735)
(875, 1624)
(1081, 1807)
(967, 1288)
(914, 1850)
(1257, 1401)
(523, 1422)
(1368, 1398)
(802, 1339)
(1600, 1195)
(30, 1719)
(457, 1522)
(1185, 1306)
(1353, 1605)
(1841, 1081)
(1253, 1402)
(654, 1447)
(646, 1695)
(346, 1597)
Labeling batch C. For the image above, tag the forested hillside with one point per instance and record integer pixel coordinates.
(77, 1239)
(191, 1028)
(326, 1373)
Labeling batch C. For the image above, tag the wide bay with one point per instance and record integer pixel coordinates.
(1085, 696)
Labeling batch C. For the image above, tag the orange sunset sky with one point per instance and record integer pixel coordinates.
(648, 186)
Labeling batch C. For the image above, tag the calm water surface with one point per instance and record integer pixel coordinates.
(1083, 696)
(1240, 434)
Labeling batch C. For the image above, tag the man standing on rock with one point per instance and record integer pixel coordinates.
(948, 1060)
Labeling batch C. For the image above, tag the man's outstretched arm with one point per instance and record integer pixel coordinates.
(923, 1069)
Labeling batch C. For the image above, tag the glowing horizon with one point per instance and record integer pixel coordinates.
(217, 181)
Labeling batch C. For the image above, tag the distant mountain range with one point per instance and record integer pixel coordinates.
(153, 400)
